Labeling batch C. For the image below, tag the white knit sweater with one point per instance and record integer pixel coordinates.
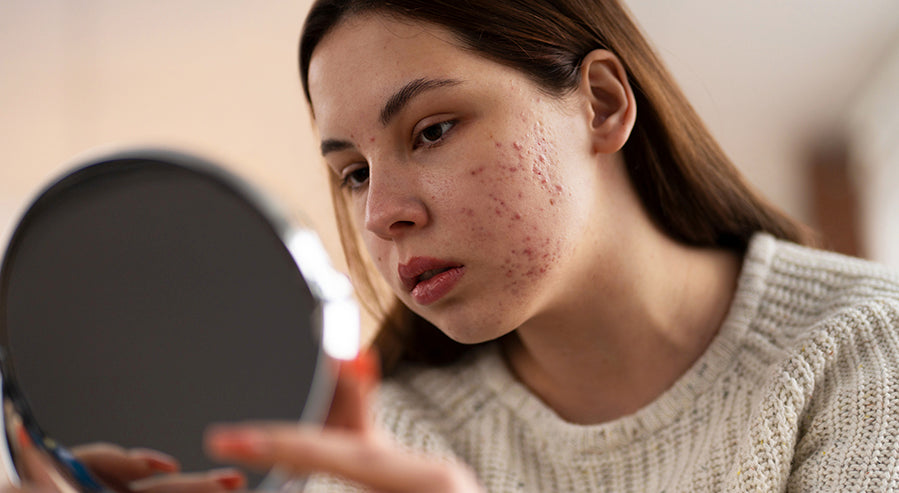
(799, 391)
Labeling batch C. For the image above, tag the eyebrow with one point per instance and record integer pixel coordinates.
(394, 105)
(334, 145)
(402, 97)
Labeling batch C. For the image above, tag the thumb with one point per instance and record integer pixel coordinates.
(356, 380)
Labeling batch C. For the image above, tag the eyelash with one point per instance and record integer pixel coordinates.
(347, 180)
(447, 127)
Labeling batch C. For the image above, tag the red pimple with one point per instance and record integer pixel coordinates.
(516, 216)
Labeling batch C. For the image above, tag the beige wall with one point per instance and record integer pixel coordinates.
(214, 77)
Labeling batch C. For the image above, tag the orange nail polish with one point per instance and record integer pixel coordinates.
(364, 365)
(231, 480)
(24, 439)
(241, 443)
(161, 465)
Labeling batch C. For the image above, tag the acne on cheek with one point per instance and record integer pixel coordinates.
(534, 255)
(530, 262)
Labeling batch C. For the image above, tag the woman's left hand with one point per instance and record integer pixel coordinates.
(349, 446)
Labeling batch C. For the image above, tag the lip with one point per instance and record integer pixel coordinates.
(435, 287)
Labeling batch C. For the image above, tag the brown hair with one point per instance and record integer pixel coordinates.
(686, 183)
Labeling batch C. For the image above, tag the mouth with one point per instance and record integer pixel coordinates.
(428, 279)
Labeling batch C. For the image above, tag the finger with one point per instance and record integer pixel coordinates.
(207, 482)
(368, 460)
(117, 467)
(356, 380)
(33, 465)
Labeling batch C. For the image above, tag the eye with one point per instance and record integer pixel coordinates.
(354, 177)
(433, 134)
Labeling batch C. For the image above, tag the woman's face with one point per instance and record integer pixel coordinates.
(474, 192)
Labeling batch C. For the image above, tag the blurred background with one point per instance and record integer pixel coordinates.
(801, 93)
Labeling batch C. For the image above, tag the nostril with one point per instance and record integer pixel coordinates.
(402, 224)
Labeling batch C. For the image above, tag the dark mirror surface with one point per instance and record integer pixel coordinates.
(142, 300)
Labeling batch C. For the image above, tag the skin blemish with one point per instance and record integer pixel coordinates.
(516, 216)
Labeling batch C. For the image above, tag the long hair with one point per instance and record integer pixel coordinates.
(686, 183)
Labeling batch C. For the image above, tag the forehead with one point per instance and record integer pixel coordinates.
(365, 58)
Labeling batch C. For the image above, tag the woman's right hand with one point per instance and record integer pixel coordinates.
(349, 446)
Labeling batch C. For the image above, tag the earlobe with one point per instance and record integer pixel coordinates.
(612, 109)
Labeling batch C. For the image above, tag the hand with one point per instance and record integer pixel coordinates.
(149, 471)
(349, 445)
(124, 471)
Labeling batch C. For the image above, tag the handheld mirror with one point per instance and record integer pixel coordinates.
(148, 294)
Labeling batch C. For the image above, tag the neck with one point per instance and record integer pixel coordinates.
(615, 347)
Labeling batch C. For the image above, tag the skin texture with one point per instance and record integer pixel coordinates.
(508, 191)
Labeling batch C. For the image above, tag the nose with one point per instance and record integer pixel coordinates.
(393, 207)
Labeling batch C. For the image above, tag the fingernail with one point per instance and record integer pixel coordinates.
(229, 479)
(158, 461)
(364, 366)
(24, 438)
(238, 442)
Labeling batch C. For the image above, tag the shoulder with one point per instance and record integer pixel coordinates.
(802, 288)
(833, 318)
(826, 415)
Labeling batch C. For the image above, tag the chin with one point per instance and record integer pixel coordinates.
(468, 333)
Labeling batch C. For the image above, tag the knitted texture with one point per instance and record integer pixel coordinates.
(799, 391)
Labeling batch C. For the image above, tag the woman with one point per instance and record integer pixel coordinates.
(584, 293)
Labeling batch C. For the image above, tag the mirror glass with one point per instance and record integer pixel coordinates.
(146, 295)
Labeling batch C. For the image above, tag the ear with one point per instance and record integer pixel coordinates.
(612, 108)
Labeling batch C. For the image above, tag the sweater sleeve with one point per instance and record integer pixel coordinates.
(829, 419)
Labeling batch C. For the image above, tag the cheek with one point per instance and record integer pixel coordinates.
(520, 218)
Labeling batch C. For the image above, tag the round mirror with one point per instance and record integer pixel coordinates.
(148, 294)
